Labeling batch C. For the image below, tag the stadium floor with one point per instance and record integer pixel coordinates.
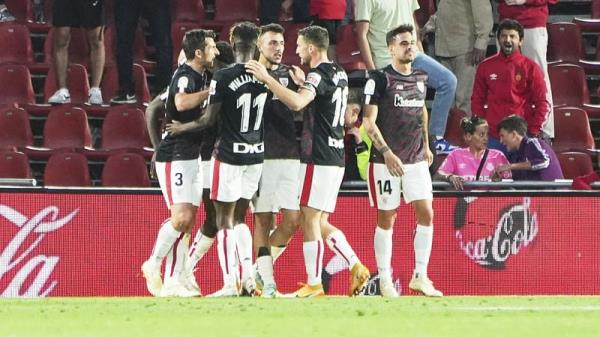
(331, 316)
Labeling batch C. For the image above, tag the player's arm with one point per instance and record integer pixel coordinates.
(392, 162)
(296, 101)
(428, 153)
(155, 108)
(186, 101)
(206, 120)
(363, 14)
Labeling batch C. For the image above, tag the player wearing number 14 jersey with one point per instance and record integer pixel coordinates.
(324, 94)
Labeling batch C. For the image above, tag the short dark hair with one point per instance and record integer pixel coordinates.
(271, 27)
(510, 24)
(243, 36)
(355, 96)
(195, 39)
(406, 28)
(225, 53)
(469, 124)
(513, 123)
(315, 35)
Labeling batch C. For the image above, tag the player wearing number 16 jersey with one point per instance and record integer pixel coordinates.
(324, 94)
(237, 101)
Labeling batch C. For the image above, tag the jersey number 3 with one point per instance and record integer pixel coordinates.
(245, 102)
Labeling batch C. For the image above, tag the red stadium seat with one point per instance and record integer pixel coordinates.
(77, 83)
(14, 128)
(125, 170)
(569, 85)
(16, 44)
(187, 10)
(595, 9)
(110, 83)
(15, 85)
(454, 134)
(235, 10)
(575, 164)
(572, 130)
(67, 169)
(347, 50)
(67, 127)
(564, 42)
(14, 165)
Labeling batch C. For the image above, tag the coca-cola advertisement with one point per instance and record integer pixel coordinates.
(93, 244)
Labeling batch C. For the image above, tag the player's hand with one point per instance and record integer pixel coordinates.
(393, 164)
(477, 56)
(355, 132)
(175, 128)
(429, 156)
(258, 70)
(515, 2)
(456, 181)
(297, 75)
(153, 166)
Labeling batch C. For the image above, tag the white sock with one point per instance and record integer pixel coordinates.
(177, 258)
(164, 241)
(422, 243)
(244, 245)
(313, 261)
(276, 252)
(383, 252)
(201, 245)
(226, 250)
(264, 264)
(339, 245)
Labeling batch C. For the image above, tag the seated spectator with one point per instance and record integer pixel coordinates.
(475, 162)
(5, 15)
(533, 158)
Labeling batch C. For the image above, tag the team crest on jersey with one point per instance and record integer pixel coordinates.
(314, 79)
(284, 81)
(182, 83)
(213, 87)
(493, 77)
(370, 87)
(421, 86)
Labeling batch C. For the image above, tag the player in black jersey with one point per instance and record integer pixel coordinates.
(323, 94)
(177, 166)
(237, 101)
(396, 120)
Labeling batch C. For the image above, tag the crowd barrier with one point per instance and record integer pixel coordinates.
(91, 242)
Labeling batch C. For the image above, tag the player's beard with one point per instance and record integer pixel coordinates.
(273, 62)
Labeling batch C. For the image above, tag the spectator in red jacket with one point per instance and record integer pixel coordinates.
(509, 83)
(533, 15)
(329, 15)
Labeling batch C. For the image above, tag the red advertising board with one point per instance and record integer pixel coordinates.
(92, 244)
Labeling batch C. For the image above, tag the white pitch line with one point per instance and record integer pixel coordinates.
(591, 308)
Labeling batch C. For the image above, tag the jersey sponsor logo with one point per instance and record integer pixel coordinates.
(284, 81)
(313, 79)
(421, 86)
(370, 87)
(182, 83)
(212, 89)
(335, 143)
(246, 148)
(400, 101)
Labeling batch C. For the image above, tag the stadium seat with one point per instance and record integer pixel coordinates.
(572, 130)
(347, 50)
(575, 164)
(110, 83)
(291, 36)
(66, 128)
(16, 44)
(67, 169)
(77, 83)
(187, 11)
(564, 42)
(454, 134)
(234, 10)
(569, 85)
(15, 130)
(14, 165)
(15, 85)
(125, 170)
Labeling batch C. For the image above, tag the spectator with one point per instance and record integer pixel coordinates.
(5, 15)
(475, 162)
(329, 15)
(90, 16)
(533, 15)
(270, 10)
(460, 45)
(534, 159)
(127, 14)
(509, 83)
(374, 18)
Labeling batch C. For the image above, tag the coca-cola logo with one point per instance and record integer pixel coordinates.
(31, 272)
(492, 244)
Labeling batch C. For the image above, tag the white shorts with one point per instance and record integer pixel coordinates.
(278, 187)
(180, 181)
(385, 189)
(232, 182)
(206, 179)
(320, 186)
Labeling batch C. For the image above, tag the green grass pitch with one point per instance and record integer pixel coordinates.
(330, 316)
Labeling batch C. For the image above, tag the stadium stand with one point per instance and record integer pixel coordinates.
(564, 42)
(16, 44)
(15, 130)
(14, 165)
(74, 163)
(110, 83)
(575, 164)
(77, 83)
(125, 170)
(15, 85)
(572, 131)
(187, 10)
